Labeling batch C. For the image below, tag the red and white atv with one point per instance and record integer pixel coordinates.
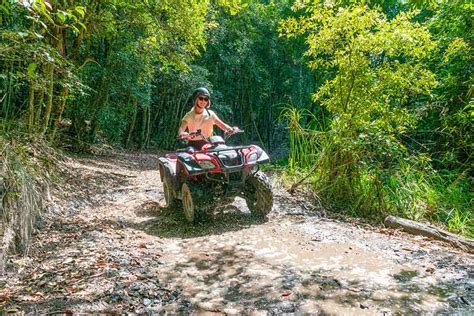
(215, 175)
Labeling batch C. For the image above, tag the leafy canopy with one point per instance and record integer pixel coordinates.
(374, 66)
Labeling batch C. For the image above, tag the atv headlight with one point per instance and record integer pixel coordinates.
(206, 164)
(252, 157)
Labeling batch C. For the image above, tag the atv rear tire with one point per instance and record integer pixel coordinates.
(258, 195)
(189, 201)
(169, 194)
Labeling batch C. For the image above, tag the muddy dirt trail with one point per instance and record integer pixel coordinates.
(109, 245)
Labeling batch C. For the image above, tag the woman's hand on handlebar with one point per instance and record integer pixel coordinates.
(183, 135)
(233, 130)
(192, 135)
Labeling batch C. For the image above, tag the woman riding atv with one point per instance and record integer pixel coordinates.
(201, 118)
(189, 176)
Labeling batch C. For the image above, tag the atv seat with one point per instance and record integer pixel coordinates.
(216, 140)
(188, 149)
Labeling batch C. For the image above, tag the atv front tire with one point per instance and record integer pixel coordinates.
(189, 201)
(258, 195)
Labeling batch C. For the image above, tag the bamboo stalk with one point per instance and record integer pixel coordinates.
(132, 124)
(49, 103)
(148, 128)
(143, 129)
(8, 98)
(62, 106)
(39, 110)
(31, 106)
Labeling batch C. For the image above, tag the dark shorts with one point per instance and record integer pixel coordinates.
(197, 144)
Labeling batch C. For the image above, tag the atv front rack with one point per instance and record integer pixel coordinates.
(194, 168)
(225, 167)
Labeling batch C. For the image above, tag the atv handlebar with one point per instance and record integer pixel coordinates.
(192, 135)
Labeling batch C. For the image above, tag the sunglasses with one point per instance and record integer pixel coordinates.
(203, 98)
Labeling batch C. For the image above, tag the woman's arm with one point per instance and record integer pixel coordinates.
(182, 128)
(223, 126)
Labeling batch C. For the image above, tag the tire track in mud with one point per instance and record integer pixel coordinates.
(109, 245)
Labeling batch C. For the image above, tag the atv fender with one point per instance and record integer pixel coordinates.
(262, 155)
(168, 169)
(189, 163)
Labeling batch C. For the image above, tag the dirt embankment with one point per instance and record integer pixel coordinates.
(109, 245)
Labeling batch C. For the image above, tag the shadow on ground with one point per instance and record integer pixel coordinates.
(229, 275)
(234, 278)
(171, 223)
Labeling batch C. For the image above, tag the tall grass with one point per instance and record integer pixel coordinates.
(353, 177)
(303, 145)
(443, 198)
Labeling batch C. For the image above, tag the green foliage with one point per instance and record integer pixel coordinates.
(446, 125)
(376, 66)
(254, 72)
(376, 69)
(440, 197)
(56, 49)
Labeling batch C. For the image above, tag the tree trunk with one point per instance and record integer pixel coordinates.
(31, 106)
(61, 46)
(62, 106)
(77, 45)
(155, 116)
(96, 100)
(143, 130)
(148, 128)
(430, 231)
(49, 103)
(132, 125)
(253, 116)
(39, 110)
(6, 107)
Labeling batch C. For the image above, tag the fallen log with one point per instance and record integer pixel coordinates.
(430, 231)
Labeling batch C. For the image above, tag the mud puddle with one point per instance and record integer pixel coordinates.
(279, 267)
